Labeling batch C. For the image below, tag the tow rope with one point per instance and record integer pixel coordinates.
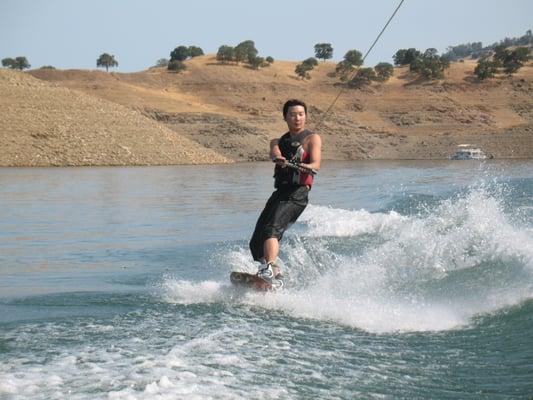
(297, 166)
(352, 75)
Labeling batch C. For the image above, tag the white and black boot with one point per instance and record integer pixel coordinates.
(266, 272)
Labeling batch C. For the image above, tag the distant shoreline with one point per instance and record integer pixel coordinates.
(212, 114)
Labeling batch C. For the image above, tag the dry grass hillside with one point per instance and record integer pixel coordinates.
(45, 124)
(234, 111)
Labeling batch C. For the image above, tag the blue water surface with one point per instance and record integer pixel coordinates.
(404, 280)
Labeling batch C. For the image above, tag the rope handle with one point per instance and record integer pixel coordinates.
(299, 167)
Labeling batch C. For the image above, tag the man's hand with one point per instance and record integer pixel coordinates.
(280, 160)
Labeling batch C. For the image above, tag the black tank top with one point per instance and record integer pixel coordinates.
(292, 149)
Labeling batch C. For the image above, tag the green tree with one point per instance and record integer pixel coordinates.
(454, 53)
(311, 61)
(245, 51)
(180, 53)
(511, 60)
(354, 57)
(9, 63)
(526, 40)
(323, 51)
(226, 54)
(344, 70)
(257, 62)
(22, 63)
(269, 60)
(384, 71)
(429, 64)
(364, 76)
(405, 56)
(486, 68)
(107, 61)
(195, 51)
(302, 70)
(19, 63)
(176, 66)
(500, 53)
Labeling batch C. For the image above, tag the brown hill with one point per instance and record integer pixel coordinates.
(235, 110)
(44, 124)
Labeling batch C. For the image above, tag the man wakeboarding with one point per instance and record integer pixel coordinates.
(297, 155)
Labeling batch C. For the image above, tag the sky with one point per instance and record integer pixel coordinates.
(72, 34)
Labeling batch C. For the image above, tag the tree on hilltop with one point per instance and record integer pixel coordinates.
(311, 61)
(473, 50)
(19, 63)
(8, 62)
(245, 52)
(384, 71)
(525, 40)
(323, 51)
(354, 57)
(107, 61)
(195, 51)
(257, 62)
(429, 64)
(225, 53)
(405, 56)
(511, 60)
(346, 68)
(180, 53)
(486, 68)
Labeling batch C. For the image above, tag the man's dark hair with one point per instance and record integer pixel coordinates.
(291, 103)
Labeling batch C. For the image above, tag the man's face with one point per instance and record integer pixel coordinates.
(296, 118)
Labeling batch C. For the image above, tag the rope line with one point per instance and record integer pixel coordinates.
(352, 75)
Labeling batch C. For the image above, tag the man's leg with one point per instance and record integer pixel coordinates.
(256, 242)
(286, 212)
(271, 251)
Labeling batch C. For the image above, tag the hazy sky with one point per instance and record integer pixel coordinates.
(72, 34)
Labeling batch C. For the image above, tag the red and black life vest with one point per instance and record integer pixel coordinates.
(292, 149)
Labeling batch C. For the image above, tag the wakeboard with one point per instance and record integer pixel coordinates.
(247, 280)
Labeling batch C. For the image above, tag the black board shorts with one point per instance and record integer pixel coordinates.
(281, 210)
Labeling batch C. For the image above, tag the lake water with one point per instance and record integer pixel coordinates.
(404, 280)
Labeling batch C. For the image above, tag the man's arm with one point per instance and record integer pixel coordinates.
(275, 153)
(315, 152)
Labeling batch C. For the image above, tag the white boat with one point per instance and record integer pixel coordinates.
(467, 152)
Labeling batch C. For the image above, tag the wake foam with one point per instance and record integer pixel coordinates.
(385, 272)
(327, 221)
(186, 292)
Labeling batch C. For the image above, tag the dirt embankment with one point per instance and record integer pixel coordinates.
(43, 124)
(218, 113)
